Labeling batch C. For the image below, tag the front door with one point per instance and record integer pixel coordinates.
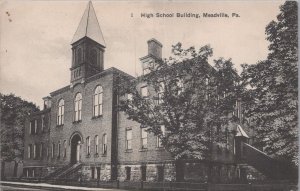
(75, 149)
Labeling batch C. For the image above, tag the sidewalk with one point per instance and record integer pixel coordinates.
(52, 187)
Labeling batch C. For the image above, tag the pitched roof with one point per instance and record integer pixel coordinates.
(89, 27)
(241, 132)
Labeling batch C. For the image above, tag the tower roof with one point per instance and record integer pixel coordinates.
(89, 27)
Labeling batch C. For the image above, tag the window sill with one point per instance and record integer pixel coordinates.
(143, 150)
(104, 155)
(128, 151)
(97, 117)
(76, 122)
(60, 125)
(96, 155)
(88, 156)
(159, 148)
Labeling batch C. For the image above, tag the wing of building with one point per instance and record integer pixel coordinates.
(80, 132)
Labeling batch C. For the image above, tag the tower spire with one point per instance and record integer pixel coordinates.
(89, 27)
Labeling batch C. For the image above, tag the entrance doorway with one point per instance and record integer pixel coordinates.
(75, 148)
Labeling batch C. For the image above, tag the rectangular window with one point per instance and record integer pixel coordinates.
(128, 172)
(43, 124)
(159, 142)
(128, 138)
(65, 148)
(30, 127)
(227, 138)
(58, 149)
(41, 151)
(29, 151)
(144, 91)
(35, 126)
(160, 173)
(93, 172)
(143, 172)
(53, 150)
(144, 138)
(104, 148)
(96, 144)
(88, 145)
(34, 151)
(98, 172)
(161, 92)
(96, 105)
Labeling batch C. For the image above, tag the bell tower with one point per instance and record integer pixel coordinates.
(88, 47)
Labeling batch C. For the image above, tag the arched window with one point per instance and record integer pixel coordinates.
(58, 149)
(29, 151)
(60, 113)
(104, 144)
(93, 57)
(78, 103)
(88, 145)
(96, 144)
(34, 151)
(53, 150)
(98, 94)
(65, 148)
(79, 56)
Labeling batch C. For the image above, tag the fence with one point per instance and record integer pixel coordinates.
(169, 186)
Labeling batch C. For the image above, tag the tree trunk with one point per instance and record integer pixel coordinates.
(2, 170)
(179, 165)
(16, 169)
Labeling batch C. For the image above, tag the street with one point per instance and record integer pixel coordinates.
(11, 188)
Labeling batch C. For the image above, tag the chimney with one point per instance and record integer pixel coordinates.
(154, 48)
(47, 102)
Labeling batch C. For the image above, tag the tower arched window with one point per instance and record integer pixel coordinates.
(78, 104)
(104, 144)
(97, 107)
(79, 56)
(60, 113)
(93, 57)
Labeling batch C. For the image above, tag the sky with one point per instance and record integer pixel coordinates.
(35, 36)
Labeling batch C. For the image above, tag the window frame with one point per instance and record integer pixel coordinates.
(77, 107)
(104, 144)
(128, 142)
(96, 144)
(65, 149)
(98, 103)
(88, 145)
(29, 150)
(144, 138)
(158, 138)
(60, 113)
